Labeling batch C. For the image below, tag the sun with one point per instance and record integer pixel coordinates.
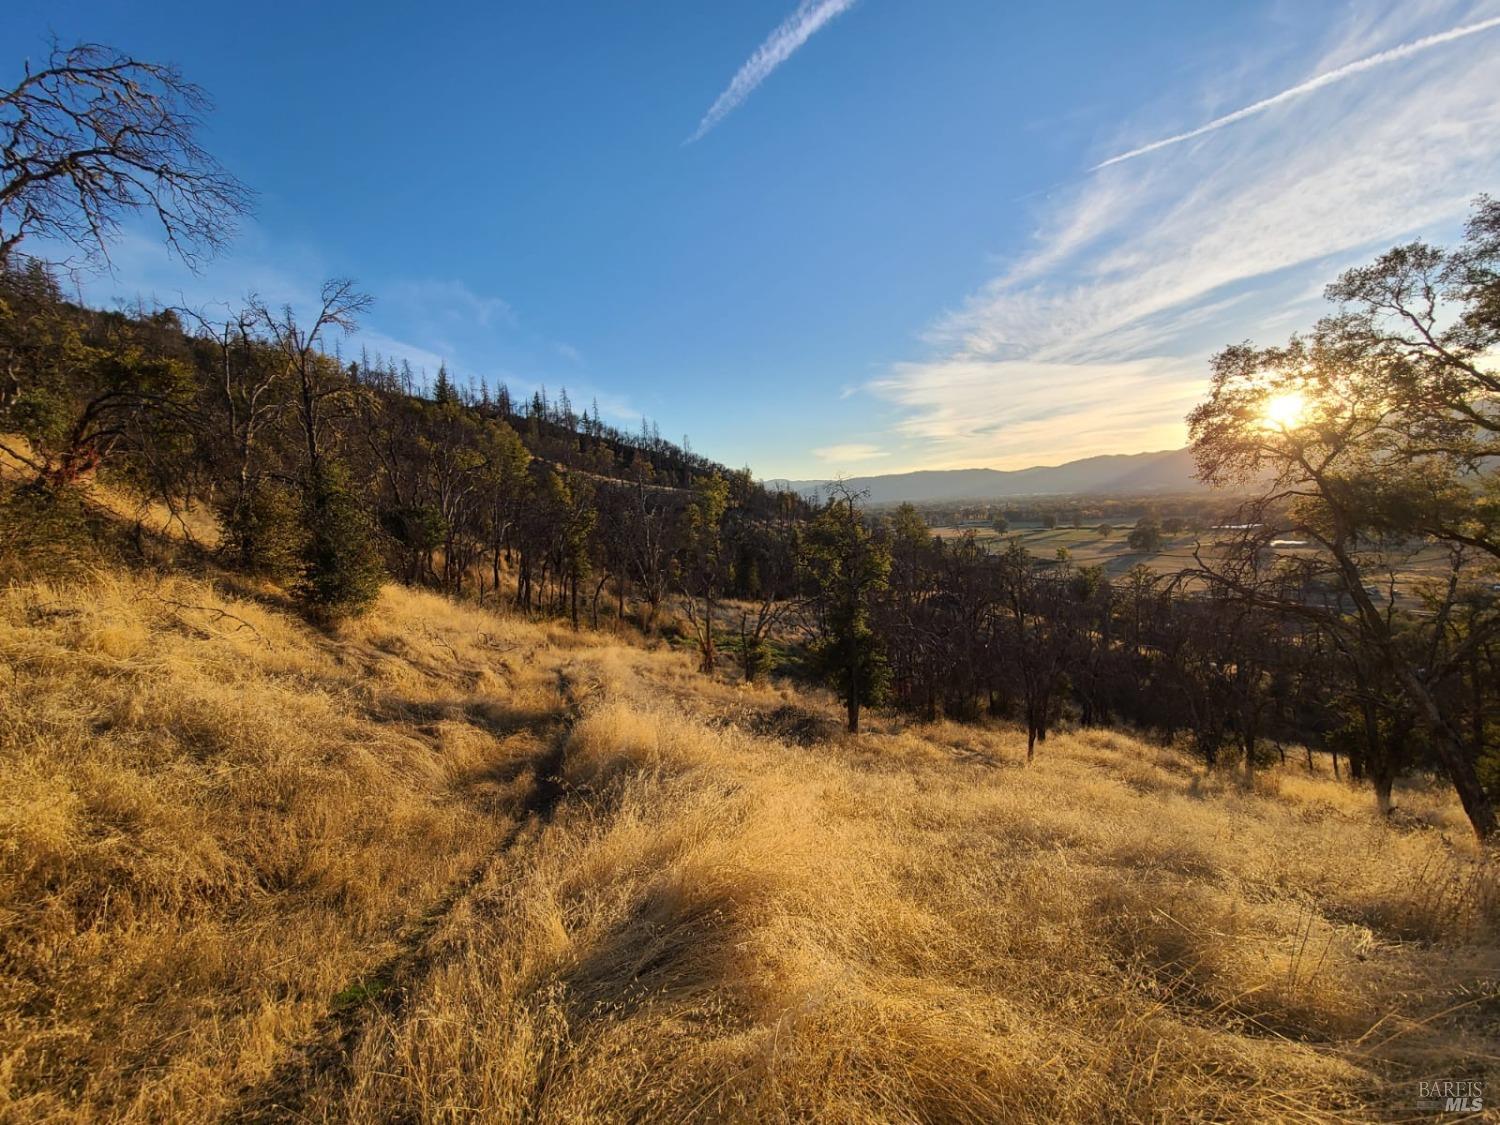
(1286, 411)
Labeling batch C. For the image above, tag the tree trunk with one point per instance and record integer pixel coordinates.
(523, 584)
(853, 700)
(594, 608)
(1384, 778)
(1450, 748)
(709, 660)
(749, 649)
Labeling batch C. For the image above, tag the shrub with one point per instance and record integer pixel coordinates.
(756, 655)
(829, 658)
(49, 531)
(263, 533)
(415, 531)
(341, 568)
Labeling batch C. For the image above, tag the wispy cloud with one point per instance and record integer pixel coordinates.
(438, 303)
(424, 322)
(967, 411)
(1327, 78)
(1097, 340)
(143, 271)
(389, 349)
(849, 453)
(795, 30)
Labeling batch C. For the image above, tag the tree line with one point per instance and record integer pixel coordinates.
(1371, 440)
(334, 477)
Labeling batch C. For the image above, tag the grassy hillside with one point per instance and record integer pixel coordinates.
(442, 864)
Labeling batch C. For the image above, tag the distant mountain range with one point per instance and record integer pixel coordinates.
(1123, 474)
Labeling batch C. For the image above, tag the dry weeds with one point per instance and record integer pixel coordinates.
(251, 869)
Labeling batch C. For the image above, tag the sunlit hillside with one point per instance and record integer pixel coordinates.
(440, 865)
(662, 615)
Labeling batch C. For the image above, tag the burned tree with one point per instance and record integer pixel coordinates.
(96, 135)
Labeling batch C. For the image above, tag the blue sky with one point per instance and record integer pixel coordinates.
(835, 236)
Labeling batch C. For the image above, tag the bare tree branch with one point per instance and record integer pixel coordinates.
(96, 135)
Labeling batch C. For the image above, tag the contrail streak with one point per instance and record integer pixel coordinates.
(1327, 79)
(794, 31)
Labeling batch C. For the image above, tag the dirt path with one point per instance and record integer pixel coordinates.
(320, 1062)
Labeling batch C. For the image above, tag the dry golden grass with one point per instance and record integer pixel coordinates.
(186, 523)
(250, 870)
(213, 820)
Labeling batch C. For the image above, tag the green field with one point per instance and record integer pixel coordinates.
(1087, 547)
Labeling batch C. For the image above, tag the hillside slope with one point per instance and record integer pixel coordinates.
(444, 864)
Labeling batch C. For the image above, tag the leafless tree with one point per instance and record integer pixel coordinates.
(650, 548)
(318, 379)
(95, 135)
(248, 398)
